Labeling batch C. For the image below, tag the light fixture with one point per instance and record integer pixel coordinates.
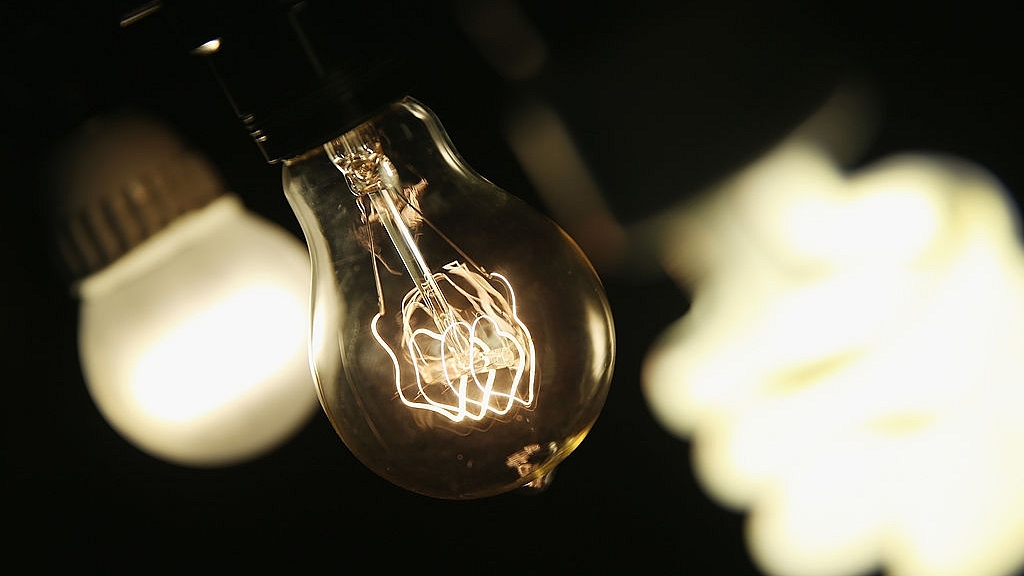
(193, 309)
(462, 343)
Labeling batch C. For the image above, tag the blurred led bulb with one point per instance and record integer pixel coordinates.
(193, 310)
(463, 344)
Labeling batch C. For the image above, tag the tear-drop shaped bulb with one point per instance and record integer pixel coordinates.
(462, 343)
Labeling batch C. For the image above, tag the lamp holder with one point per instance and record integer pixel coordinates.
(300, 72)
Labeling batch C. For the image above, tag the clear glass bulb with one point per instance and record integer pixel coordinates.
(462, 343)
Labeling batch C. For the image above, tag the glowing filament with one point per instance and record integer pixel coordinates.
(478, 360)
(470, 353)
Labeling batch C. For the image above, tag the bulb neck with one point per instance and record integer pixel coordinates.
(323, 115)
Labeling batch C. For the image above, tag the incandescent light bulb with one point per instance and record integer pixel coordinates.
(464, 343)
(461, 343)
(192, 324)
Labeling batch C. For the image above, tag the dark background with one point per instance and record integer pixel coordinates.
(702, 86)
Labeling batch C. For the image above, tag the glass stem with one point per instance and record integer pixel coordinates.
(383, 202)
(370, 173)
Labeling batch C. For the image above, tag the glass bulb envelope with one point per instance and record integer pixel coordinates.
(464, 343)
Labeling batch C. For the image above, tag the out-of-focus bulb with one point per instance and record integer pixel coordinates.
(192, 331)
(462, 343)
(850, 370)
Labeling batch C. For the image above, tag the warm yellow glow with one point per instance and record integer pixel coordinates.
(207, 48)
(851, 370)
(232, 347)
(468, 362)
(469, 353)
